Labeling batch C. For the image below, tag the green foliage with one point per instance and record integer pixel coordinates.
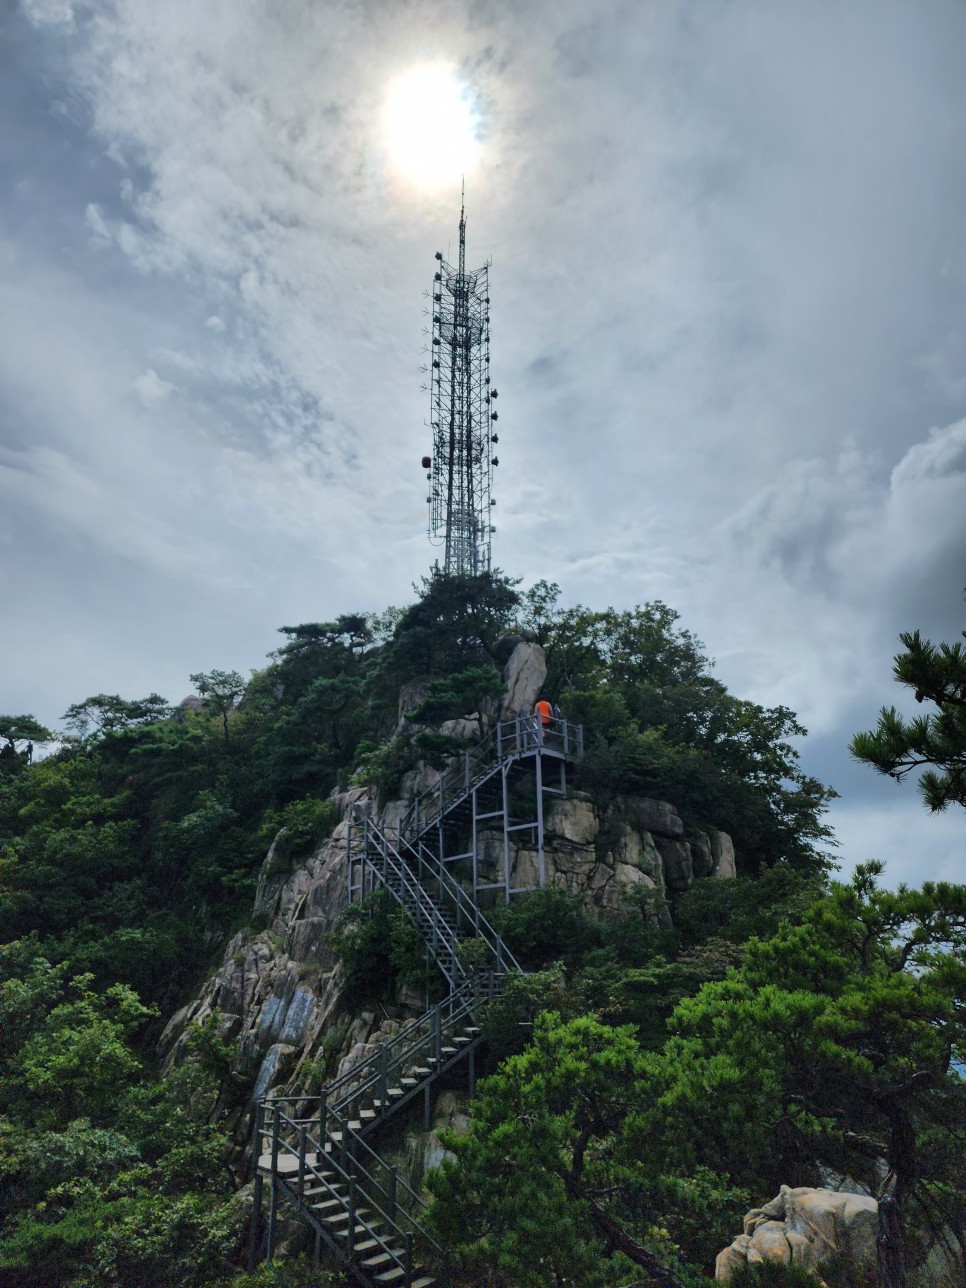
(297, 1273)
(458, 694)
(379, 946)
(658, 724)
(546, 925)
(306, 823)
(522, 1202)
(105, 712)
(897, 747)
(105, 1177)
(15, 730)
(453, 626)
(221, 691)
(383, 765)
(835, 1042)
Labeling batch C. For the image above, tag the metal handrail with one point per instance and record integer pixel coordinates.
(508, 740)
(394, 862)
(365, 1076)
(305, 1147)
(470, 910)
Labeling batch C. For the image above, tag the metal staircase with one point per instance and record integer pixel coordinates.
(313, 1151)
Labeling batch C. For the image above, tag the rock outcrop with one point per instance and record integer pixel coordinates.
(524, 676)
(804, 1227)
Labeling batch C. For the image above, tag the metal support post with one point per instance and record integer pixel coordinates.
(391, 1194)
(257, 1138)
(273, 1193)
(540, 860)
(499, 740)
(467, 776)
(427, 1106)
(476, 846)
(383, 1076)
(437, 1035)
(351, 1232)
(408, 1264)
(303, 1140)
(323, 1107)
(256, 1221)
(506, 837)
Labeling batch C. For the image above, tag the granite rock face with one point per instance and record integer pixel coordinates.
(804, 1227)
(524, 676)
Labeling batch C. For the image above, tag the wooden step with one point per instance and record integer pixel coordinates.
(422, 1071)
(472, 1030)
(391, 1276)
(424, 1282)
(367, 1115)
(408, 1082)
(460, 1041)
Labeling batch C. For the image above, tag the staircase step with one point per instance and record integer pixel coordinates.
(460, 1041)
(367, 1115)
(391, 1276)
(394, 1092)
(422, 1071)
(342, 1218)
(382, 1259)
(330, 1205)
(472, 1029)
(424, 1282)
(408, 1082)
(288, 1164)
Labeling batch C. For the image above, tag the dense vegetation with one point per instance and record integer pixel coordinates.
(131, 852)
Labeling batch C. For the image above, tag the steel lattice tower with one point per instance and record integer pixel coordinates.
(462, 415)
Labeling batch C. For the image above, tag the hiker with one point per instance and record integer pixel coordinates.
(544, 710)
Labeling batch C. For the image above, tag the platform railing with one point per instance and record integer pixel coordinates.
(508, 740)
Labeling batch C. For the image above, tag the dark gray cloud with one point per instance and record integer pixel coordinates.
(729, 275)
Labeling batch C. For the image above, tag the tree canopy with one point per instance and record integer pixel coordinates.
(934, 742)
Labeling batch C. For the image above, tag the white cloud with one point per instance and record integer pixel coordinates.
(151, 389)
(727, 291)
(49, 13)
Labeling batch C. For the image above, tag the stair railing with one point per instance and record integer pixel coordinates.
(509, 739)
(341, 1161)
(398, 878)
(466, 910)
(392, 1059)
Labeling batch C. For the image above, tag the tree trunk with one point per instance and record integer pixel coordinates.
(903, 1166)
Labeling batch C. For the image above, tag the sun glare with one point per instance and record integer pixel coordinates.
(431, 126)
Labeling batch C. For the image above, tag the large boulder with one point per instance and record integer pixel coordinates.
(524, 676)
(723, 855)
(804, 1227)
(656, 817)
(677, 863)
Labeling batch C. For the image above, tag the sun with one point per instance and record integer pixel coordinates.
(431, 125)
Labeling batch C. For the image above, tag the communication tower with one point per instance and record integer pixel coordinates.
(463, 415)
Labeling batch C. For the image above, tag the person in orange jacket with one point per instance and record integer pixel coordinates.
(544, 710)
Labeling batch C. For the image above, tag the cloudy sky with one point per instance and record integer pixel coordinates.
(729, 277)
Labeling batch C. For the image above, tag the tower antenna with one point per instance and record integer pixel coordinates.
(463, 415)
